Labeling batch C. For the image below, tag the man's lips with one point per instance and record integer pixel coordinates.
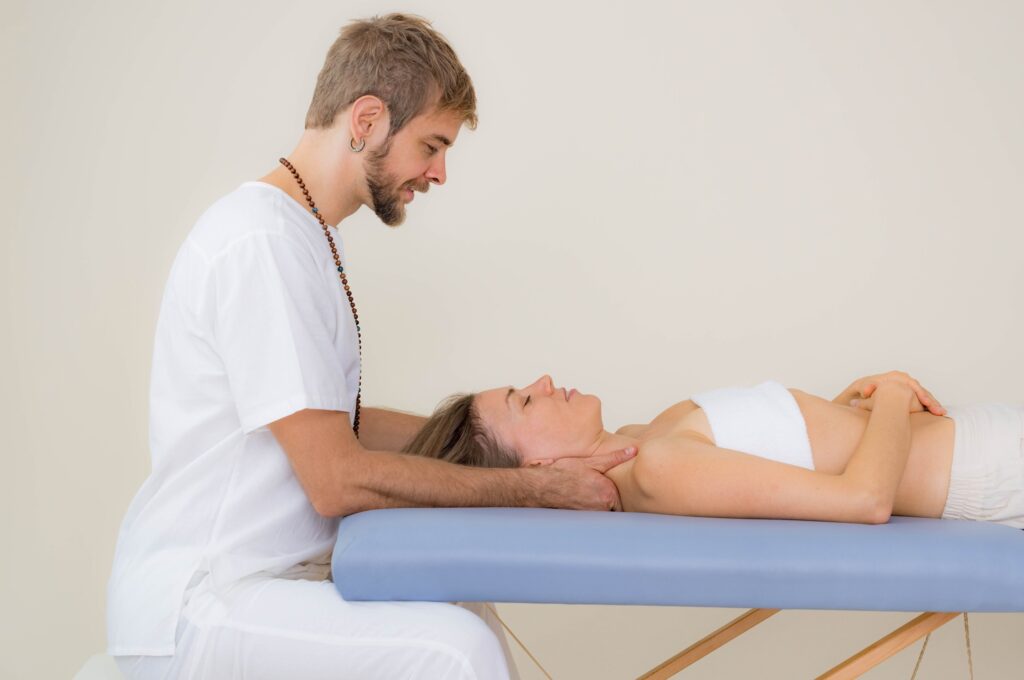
(407, 190)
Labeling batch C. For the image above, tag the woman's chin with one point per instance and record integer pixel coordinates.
(600, 413)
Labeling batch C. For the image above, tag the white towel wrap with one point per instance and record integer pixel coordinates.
(763, 421)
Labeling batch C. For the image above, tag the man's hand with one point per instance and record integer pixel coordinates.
(580, 484)
(860, 392)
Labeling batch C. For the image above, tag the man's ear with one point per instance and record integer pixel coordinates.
(368, 116)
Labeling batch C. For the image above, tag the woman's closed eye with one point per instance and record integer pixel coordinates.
(526, 402)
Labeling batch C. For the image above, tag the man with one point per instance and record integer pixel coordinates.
(258, 436)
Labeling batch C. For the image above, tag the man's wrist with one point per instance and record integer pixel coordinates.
(532, 488)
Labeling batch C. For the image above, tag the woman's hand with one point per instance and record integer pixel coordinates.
(861, 392)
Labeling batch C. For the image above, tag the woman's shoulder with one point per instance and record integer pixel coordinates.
(682, 418)
(635, 430)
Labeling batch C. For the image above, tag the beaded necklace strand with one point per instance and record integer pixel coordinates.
(344, 283)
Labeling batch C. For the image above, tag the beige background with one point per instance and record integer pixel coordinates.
(660, 198)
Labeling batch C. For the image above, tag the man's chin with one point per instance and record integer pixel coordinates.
(393, 216)
(396, 222)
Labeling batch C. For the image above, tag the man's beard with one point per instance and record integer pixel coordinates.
(385, 199)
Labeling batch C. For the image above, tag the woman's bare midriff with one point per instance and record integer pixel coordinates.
(834, 432)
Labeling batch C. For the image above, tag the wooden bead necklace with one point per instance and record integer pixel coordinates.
(344, 283)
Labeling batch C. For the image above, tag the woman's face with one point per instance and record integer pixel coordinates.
(542, 422)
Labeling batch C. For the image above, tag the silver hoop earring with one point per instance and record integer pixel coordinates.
(357, 149)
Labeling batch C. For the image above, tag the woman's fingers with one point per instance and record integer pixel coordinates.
(927, 399)
(921, 392)
(868, 403)
(865, 404)
(866, 387)
(932, 404)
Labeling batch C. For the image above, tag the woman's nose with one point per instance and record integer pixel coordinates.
(545, 383)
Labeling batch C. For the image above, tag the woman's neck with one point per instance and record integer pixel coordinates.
(608, 442)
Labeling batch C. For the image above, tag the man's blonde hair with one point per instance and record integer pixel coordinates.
(402, 60)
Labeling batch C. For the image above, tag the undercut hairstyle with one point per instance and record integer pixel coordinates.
(456, 434)
(402, 60)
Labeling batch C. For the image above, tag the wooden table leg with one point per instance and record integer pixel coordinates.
(699, 650)
(871, 656)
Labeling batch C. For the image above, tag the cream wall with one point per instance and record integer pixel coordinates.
(660, 198)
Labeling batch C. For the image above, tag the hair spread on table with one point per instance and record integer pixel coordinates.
(456, 434)
(402, 60)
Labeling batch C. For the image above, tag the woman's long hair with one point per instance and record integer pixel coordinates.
(455, 434)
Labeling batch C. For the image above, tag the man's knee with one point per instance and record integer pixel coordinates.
(473, 640)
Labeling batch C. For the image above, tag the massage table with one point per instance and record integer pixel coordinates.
(938, 567)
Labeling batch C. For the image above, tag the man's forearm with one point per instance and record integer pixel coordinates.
(383, 429)
(385, 479)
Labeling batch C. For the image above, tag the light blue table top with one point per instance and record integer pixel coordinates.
(566, 556)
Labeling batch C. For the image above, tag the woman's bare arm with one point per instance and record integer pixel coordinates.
(683, 476)
(686, 476)
(881, 456)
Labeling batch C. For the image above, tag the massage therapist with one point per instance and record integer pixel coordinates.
(258, 436)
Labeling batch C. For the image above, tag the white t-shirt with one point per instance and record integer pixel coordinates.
(254, 325)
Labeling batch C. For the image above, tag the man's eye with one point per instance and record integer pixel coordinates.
(526, 402)
(433, 149)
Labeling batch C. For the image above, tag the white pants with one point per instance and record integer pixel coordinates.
(986, 481)
(269, 628)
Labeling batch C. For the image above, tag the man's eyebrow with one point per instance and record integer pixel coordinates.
(441, 138)
(507, 395)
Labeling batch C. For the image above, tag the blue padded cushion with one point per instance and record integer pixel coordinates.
(542, 555)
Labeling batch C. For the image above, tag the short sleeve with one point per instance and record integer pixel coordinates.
(277, 330)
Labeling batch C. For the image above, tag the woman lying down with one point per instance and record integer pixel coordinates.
(884, 446)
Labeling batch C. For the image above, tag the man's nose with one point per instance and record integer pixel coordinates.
(436, 173)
